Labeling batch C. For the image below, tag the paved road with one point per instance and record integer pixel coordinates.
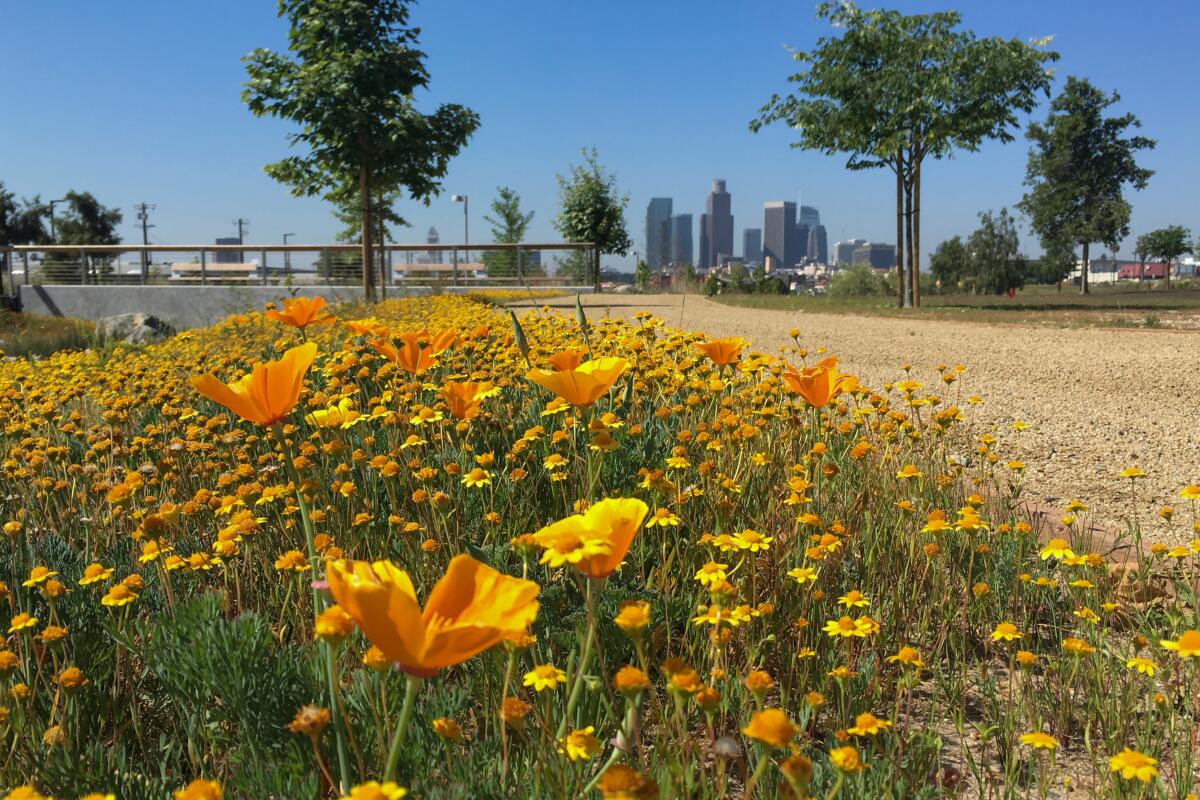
(1095, 400)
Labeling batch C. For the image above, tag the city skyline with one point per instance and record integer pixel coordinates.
(187, 143)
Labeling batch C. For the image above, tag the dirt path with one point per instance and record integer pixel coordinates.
(1094, 400)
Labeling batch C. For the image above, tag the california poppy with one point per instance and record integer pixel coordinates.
(583, 385)
(464, 399)
(300, 312)
(597, 540)
(416, 351)
(568, 359)
(723, 351)
(820, 384)
(268, 394)
(471, 608)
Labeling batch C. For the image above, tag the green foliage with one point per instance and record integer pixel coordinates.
(858, 281)
(1078, 167)
(21, 222)
(950, 263)
(995, 264)
(591, 207)
(1167, 244)
(509, 224)
(349, 87)
(641, 277)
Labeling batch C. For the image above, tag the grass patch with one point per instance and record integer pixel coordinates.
(26, 335)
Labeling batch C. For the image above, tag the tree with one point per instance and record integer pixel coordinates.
(1168, 244)
(1078, 165)
(85, 221)
(20, 223)
(893, 89)
(349, 88)
(996, 264)
(593, 210)
(509, 225)
(950, 263)
(641, 276)
(1142, 249)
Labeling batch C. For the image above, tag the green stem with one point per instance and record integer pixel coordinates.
(589, 640)
(410, 694)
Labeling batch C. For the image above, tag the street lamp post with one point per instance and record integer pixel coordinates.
(287, 256)
(462, 198)
(53, 239)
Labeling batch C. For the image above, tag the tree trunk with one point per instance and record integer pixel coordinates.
(383, 265)
(899, 229)
(914, 264)
(908, 230)
(1083, 273)
(1167, 286)
(368, 263)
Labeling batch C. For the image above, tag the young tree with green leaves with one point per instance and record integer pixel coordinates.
(995, 261)
(950, 263)
(1169, 244)
(893, 89)
(1078, 167)
(592, 209)
(348, 84)
(1141, 251)
(20, 223)
(509, 224)
(85, 220)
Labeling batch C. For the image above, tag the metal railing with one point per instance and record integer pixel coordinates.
(434, 265)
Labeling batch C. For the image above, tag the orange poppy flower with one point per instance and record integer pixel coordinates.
(416, 351)
(268, 394)
(583, 385)
(300, 312)
(568, 359)
(366, 327)
(723, 351)
(464, 399)
(820, 384)
(471, 608)
(597, 540)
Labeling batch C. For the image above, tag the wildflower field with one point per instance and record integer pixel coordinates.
(439, 552)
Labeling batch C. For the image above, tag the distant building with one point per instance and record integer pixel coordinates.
(752, 245)
(875, 255)
(228, 256)
(809, 215)
(1133, 270)
(681, 240)
(818, 245)
(801, 239)
(658, 232)
(435, 256)
(779, 233)
(719, 241)
(843, 252)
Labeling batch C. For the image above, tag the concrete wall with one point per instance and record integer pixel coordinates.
(182, 306)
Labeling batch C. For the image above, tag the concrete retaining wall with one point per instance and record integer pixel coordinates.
(182, 306)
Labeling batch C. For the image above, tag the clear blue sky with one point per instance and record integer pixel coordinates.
(139, 100)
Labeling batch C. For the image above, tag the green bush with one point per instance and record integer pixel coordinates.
(858, 281)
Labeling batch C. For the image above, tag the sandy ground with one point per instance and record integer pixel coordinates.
(1095, 400)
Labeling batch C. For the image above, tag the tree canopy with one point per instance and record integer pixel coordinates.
(509, 225)
(1078, 167)
(349, 86)
(592, 209)
(1167, 243)
(892, 89)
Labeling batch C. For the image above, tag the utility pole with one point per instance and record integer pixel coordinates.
(143, 216)
(287, 256)
(242, 224)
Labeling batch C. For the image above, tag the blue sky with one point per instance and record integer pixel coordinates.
(139, 100)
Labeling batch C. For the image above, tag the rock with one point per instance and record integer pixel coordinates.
(135, 328)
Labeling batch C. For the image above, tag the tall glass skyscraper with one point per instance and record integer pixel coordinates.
(681, 240)
(779, 234)
(658, 232)
(752, 245)
(719, 241)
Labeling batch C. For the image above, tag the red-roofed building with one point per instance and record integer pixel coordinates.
(1132, 271)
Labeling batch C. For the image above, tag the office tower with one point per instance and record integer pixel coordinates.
(704, 262)
(720, 226)
(801, 250)
(818, 245)
(681, 240)
(658, 232)
(228, 256)
(435, 256)
(779, 233)
(752, 245)
(844, 252)
(875, 255)
(810, 216)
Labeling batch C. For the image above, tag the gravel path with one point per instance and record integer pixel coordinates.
(1095, 400)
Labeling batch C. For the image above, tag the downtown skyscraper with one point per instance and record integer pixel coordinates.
(780, 241)
(681, 240)
(658, 232)
(716, 228)
(752, 245)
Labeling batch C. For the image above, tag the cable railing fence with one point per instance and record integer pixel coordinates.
(434, 266)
